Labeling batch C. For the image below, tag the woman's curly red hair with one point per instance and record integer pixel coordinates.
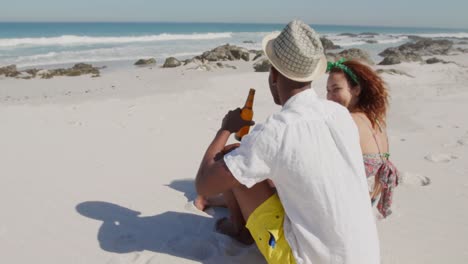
(373, 99)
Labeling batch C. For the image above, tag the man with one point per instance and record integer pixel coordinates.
(310, 151)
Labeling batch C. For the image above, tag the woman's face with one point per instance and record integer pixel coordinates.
(340, 91)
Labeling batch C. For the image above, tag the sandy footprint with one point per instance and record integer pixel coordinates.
(440, 157)
(75, 123)
(414, 179)
(463, 141)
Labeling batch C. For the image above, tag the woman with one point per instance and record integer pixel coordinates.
(360, 89)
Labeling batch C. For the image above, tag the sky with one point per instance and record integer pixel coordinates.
(410, 13)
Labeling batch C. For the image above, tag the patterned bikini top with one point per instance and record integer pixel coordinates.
(379, 166)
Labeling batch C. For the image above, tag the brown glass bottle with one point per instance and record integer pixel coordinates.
(246, 114)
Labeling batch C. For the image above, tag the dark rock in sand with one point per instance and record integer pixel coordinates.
(433, 60)
(391, 60)
(463, 42)
(262, 65)
(33, 72)
(409, 52)
(426, 47)
(172, 62)
(370, 41)
(357, 54)
(9, 71)
(240, 53)
(437, 60)
(257, 54)
(225, 52)
(328, 44)
(248, 41)
(142, 62)
(77, 70)
(398, 56)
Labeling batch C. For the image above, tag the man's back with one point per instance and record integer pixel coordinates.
(319, 174)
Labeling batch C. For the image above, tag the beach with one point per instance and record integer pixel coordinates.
(101, 170)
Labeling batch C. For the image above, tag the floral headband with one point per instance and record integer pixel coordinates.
(339, 64)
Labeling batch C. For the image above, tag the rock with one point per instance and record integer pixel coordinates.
(192, 61)
(262, 65)
(328, 44)
(396, 55)
(33, 72)
(391, 60)
(240, 53)
(258, 54)
(463, 43)
(434, 60)
(393, 72)
(371, 41)
(248, 41)
(409, 52)
(432, 47)
(141, 62)
(425, 47)
(172, 62)
(72, 73)
(369, 34)
(357, 54)
(9, 71)
(225, 52)
(348, 35)
(77, 70)
(84, 68)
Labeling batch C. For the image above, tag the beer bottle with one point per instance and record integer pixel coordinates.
(246, 114)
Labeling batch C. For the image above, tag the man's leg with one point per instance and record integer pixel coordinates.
(264, 216)
(249, 199)
(203, 202)
(241, 202)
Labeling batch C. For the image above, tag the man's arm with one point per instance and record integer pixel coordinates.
(213, 176)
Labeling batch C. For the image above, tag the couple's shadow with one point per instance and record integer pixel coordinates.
(185, 235)
(124, 231)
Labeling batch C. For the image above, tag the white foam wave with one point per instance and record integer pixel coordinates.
(71, 40)
(96, 55)
(346, 41)
(443, 35)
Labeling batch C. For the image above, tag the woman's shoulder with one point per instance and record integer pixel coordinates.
(359, 118)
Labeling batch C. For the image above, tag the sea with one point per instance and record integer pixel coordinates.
(29, 45)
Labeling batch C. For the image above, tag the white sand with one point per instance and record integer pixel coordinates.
(100, 170)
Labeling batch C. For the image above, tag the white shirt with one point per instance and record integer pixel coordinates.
(310, 150)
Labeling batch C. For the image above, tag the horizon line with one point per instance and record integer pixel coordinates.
(242, 23)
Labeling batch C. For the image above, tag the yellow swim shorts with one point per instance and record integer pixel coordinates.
(266, 226)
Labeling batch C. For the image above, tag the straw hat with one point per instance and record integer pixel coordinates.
(296, 52)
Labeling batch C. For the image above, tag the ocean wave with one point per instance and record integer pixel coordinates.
(96, 55)
(72, 40)
(346, 41)
(443, 35)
